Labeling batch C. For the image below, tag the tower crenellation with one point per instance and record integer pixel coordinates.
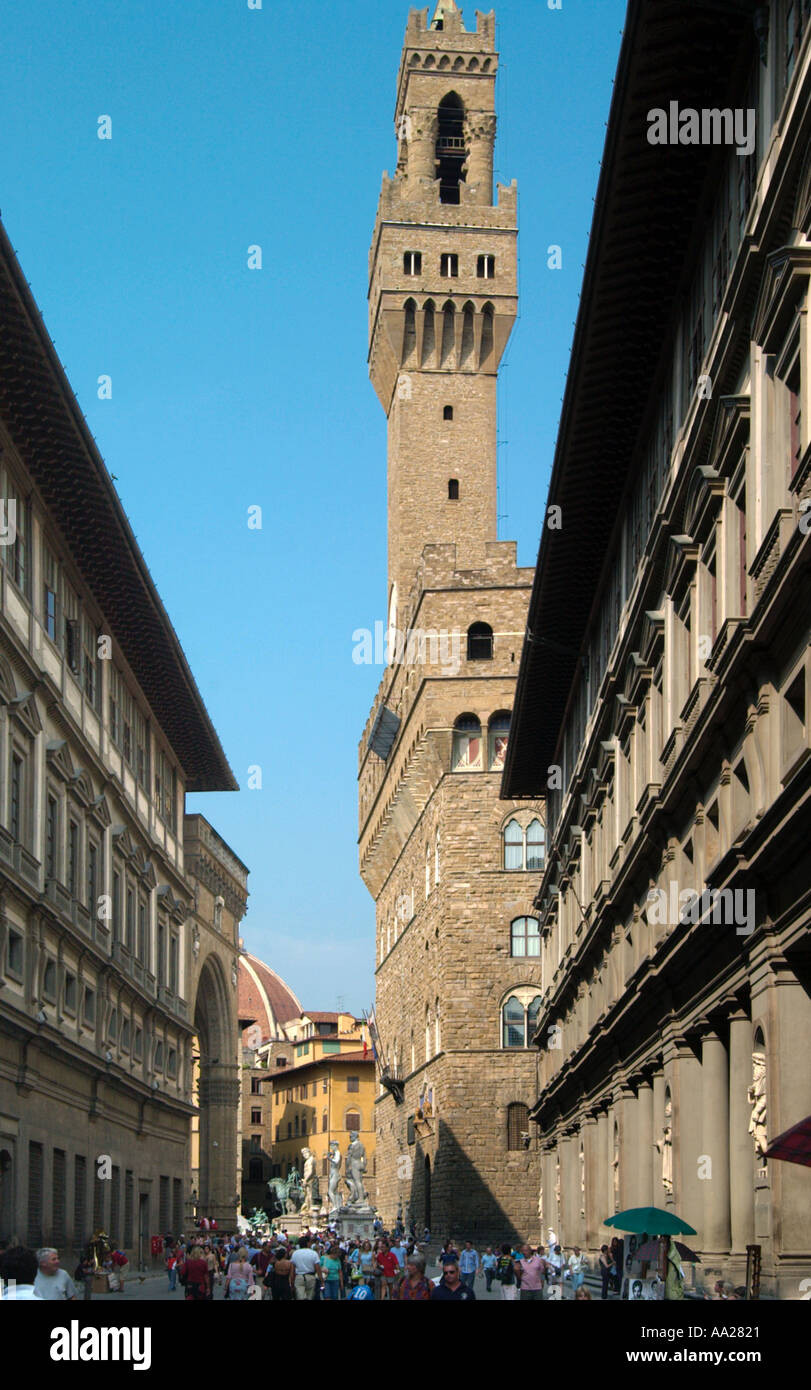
(442, 294)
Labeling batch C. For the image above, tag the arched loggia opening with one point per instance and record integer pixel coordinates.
(450, 147)
(216, 1093)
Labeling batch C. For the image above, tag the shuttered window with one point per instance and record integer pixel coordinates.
(34, 1195)
(60, 1200)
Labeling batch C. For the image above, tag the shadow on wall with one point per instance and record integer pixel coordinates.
(449, 1196)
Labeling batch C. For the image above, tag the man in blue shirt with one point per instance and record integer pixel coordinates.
(489, 1262)
(450, 1288)
(468, 1264)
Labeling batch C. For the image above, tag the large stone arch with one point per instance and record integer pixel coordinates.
(215, 1023)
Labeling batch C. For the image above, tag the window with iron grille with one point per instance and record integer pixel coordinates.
(34, 1194)
(164, 1212)
(99, 1191)
(80, 1232)
(59, 1194)
(115, 1206)
(517, 1125)
(129, 1188)
(177, 1204)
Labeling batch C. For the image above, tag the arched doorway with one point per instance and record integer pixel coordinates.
(427, 1192)
(216, 1083)
(6, 1196)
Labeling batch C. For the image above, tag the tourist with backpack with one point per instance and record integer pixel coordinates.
(505, 1273)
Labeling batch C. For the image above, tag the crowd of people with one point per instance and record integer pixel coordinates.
(318, 1265)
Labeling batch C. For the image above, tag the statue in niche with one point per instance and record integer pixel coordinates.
(665, 1147)
(756, 1095)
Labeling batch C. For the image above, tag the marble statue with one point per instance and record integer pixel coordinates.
(355, 1167)
(335, 1177)
(665, 1147)
(756, 1096)
(309, 1182)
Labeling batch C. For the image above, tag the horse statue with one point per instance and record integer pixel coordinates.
(288, 1192)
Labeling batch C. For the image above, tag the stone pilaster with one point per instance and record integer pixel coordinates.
(741, 1195)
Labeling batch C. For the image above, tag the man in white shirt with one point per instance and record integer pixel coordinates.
(577, 1268)
(307, 1265)
(18, 1270)
(52, 1283)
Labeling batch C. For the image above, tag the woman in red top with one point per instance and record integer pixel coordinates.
(194, 1271)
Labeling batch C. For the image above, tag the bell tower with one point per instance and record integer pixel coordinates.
(442, 296)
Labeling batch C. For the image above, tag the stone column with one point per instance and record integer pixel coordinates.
(741, 1192)
(594, 1214)
(421, 134)
(550, 1214)
(715, 1142)
(688, 1194)
(568, 1162)
(480, 129)
(646, 1153)
(629, 1147)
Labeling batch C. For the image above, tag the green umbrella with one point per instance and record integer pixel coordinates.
(650, 1221)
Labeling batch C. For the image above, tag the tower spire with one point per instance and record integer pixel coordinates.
(444, 7)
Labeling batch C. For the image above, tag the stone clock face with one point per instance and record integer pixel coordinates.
(254, 1036)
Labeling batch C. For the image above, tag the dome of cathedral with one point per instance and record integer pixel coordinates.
(265, 1001)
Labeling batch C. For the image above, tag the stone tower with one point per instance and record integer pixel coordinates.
(446, 861)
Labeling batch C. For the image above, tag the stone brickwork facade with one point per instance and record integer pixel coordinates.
(451, 1114)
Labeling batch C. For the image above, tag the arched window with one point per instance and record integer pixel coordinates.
(487, 334)
(450, 147)
(428, 334)
(517, 1125)
(427, 1034)
(499, 732)
(436, 857)
(525, 937)
(453, 489)
(352, 1122)
(447, 412)
(536, 845)
(519, 1017)
(448, 335)
(437, 1042)
(514, 1028)
(480, 642)
(466, 353)
(513, 846)
(324, 1122)
(467, 744)
(409, 329)
(533, 1013)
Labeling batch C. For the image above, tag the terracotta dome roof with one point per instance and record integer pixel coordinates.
(264, 998)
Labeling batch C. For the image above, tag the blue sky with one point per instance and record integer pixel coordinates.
(234, 388)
